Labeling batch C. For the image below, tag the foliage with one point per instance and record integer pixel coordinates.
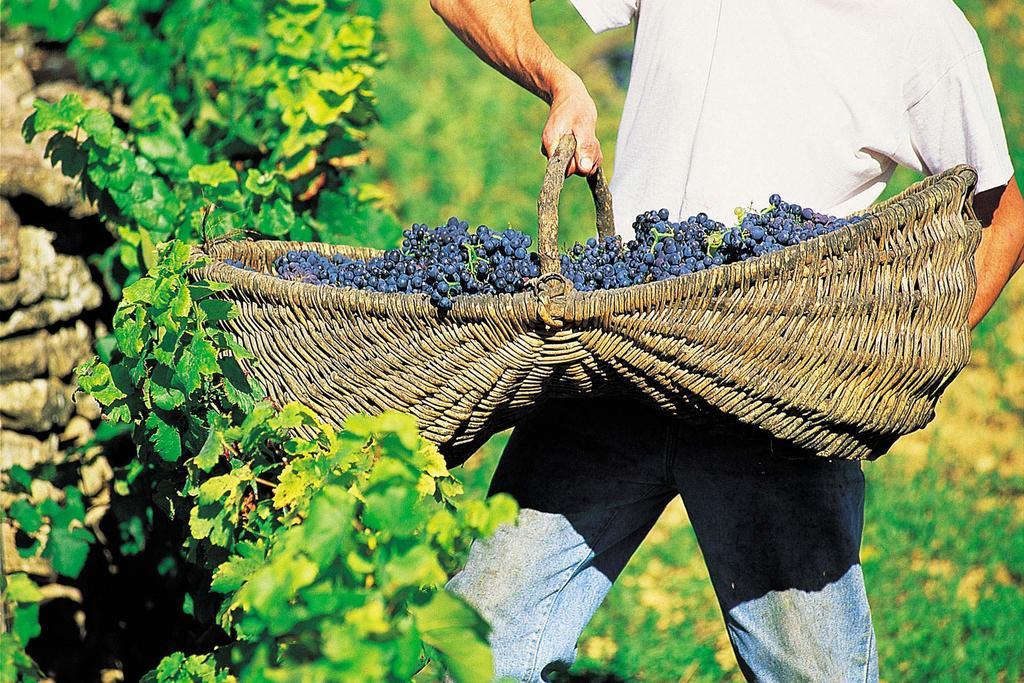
(246, 118)
(330, 548)
(333, 574)
(174, 373)
(57, 21)
(45, 528)
(21, 595)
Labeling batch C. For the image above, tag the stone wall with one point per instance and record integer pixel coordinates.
(51, 303)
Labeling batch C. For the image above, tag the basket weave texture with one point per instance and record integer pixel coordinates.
(840, 345)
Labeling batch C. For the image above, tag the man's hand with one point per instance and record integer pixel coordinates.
(573, 111)
(502, 34)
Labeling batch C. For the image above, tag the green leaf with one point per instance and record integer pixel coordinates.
(176, 257)
(503, 510)
(217, 511)
(239, 391)
(416, 568)
(156, 146)
(188, 371)
(20, 588)
(400, 424)
(21, 477)
(326, 108)
(181, 302)
(67, 548)
(67, 545)
(276, 218)
(228, 341)
(63, 115)
(369, 619)
(163, 437)
(129, 331)
(259, 183)
(140, 291)
(179, 668)
(64, 151)
(327, 531)
(299, 480)
(166, 397)
(26, 515)
(99, 125)
(394, 510)
(269, 591)
(337, 82)
(210, 453)
(112, 168)
(204, 356)
(231, 575)
(217, 310)
(29, 128)
(95, 378)
(166, 351)
(448, 624)
(714, 241)
(26, 623)
(119, 413)
(203, 289)
(213, 175)
(294, 415)
(147, 250)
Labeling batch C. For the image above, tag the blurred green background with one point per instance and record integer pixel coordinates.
(944, 541)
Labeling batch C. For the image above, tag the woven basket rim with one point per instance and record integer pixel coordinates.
(578, 305)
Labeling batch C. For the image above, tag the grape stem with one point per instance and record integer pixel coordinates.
(658, 236)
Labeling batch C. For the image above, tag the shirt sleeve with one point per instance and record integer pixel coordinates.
(603, 15)
(957, 121)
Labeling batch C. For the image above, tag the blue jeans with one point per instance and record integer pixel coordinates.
(780, 537)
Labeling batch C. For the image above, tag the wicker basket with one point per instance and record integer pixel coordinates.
(841, 344)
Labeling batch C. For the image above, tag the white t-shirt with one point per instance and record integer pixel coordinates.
(818, 100)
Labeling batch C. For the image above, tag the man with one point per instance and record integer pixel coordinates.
(729, 102)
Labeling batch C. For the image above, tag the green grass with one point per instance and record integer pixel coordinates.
(944, 538)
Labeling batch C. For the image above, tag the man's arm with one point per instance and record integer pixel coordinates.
(1001, 251)
(501, 32)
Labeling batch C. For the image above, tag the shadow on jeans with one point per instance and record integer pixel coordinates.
(767, 516)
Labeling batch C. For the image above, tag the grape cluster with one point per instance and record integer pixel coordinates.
(450, 260)
(442, 262)
(664, 249)
(780, 225)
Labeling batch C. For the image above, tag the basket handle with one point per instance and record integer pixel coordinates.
(547, 204)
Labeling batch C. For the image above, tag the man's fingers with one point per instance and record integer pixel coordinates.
(584, 164)
(548, 144)
(588, 156)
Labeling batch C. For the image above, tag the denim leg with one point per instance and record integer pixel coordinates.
(795, 635)
(781, 539)
(539, 582)
(588, 495)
